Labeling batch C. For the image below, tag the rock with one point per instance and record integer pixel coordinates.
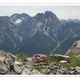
(35, 72)
(62, 56)
(7, 58)
(75, 49)
(53, 66)
(18, 63)
(29, 60)
(78, 44)
(63, 71)
(54, 71)
(28, 66)
(6, 62)
(72, 71)
(63, 62)
(3, 68)
(4, 54)
(30, 71)
(78, 69)
(58, 72)
(18, 67)
(72, 68)
(45, 70)
(26, 71)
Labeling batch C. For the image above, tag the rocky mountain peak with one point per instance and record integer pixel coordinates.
(50, 14)
(46, 15)
(18, 18)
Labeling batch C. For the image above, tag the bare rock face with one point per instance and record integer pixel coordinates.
(3, 68)
(75, 49)
(6, 62)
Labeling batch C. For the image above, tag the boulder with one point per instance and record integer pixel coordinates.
(63, 62)
(6, 62)
(29, 60)
(78, 69)
(72, 71)
(28, 71)
(64, 57)
(60, 57)
(3, 68)
(53, 66)
(18, 67)
(35, 72)
(63, 71)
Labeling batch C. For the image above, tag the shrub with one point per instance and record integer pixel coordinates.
(74, 61)
(21, 57)
(53, 59)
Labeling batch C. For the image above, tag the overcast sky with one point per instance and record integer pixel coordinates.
(62, 12)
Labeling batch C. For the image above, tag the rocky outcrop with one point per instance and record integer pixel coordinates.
(6, 62)
(10, 65)
(75, 49)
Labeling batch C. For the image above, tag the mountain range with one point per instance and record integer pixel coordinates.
(42, 33)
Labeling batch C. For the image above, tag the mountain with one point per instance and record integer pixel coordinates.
(42, 33)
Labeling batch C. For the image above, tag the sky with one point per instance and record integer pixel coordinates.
(61, 11)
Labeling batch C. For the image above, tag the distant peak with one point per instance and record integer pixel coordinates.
(50, 13)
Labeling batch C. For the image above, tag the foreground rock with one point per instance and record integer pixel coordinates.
(6, 62)
(10, 65)
(78, 70)
(18, 67)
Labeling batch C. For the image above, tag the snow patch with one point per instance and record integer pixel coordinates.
(20, 38)
(18, 21)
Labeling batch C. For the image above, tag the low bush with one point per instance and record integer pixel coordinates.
(21, 57)
(74, 61)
